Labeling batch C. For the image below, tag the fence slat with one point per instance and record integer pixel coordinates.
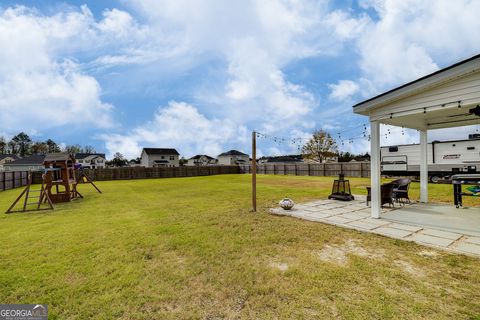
(349, 169)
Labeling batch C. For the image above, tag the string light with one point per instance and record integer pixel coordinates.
(299, 142)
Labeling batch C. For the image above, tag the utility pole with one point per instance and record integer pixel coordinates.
(254, 171)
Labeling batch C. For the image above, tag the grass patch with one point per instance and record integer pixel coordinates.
(190, 248)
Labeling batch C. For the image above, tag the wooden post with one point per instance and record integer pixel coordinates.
(254, 171)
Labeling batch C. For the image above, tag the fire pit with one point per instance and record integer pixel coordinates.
(341, 190)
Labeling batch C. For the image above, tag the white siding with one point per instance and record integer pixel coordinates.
(144, 159)
(232, 160)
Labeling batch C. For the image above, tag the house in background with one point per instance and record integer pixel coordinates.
(7, 158)
(233, 158)
(201, 160)
(135, 163)
(332, 159)
(282, 159)
(159, 157)
(30, 163)
(91, 160)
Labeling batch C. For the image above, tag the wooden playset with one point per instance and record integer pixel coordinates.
(59, 184)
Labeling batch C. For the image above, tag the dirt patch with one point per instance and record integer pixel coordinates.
(333, 254)
(409, 268)
(279, 266)
(428, 253)
(338, 254)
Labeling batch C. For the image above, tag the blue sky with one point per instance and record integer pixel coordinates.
(200, 76)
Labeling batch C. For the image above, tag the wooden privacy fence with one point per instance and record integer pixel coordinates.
(349, 169)
(13, 179)
(146, 173)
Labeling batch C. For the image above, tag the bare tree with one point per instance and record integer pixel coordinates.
(320, 146)
(117, 161)
(89, 149)
(3, 145)
(39, 148)
(73, 148)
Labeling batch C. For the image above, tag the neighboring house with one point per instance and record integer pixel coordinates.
(134, 163)
(91, 160)
(201, 160)
(30, 163)
(281, 159)
(233, 157)
(159, 157)
(332, 159)
(6, 158)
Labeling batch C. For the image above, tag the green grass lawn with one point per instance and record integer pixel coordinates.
(190, 248)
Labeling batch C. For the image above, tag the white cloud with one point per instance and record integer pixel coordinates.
(40, 87)
(410, 39)
(256, 39)
(343, 90)
(412, 36)
(45, 62)
(346, 26)
(178, 125)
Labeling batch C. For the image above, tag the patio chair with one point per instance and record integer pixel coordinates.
(400, 191)
(386, 191)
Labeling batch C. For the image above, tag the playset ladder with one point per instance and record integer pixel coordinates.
(42, 197)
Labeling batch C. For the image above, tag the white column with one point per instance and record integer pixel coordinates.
(423, 167)
(375, 177)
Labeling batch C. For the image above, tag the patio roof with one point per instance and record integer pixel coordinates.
(439, 100)
(447, 98)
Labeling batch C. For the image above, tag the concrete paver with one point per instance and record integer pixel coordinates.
(474, 240)
(469, 248)
(405, 227)
(361, 224)
(337, 220)
(431, 240)
(351, 216)
(442, 234)
(392, 232)
(355, 215)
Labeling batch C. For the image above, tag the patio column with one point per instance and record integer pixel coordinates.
(375, 178)
(423, 167)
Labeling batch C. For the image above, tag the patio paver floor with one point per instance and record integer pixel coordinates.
(355, 215)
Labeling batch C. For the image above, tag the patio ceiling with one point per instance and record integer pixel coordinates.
(440, 100)
(443, 117)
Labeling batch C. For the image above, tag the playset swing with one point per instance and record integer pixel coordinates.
(59, 184)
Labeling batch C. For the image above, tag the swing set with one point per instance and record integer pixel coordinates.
(59, 184)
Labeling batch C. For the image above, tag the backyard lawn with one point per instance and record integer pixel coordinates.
(190, 248)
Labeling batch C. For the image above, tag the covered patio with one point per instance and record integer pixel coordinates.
(444, 99)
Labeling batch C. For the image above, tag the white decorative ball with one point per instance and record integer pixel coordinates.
(287, 203)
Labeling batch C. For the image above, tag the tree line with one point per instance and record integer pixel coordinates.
(22, 145)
